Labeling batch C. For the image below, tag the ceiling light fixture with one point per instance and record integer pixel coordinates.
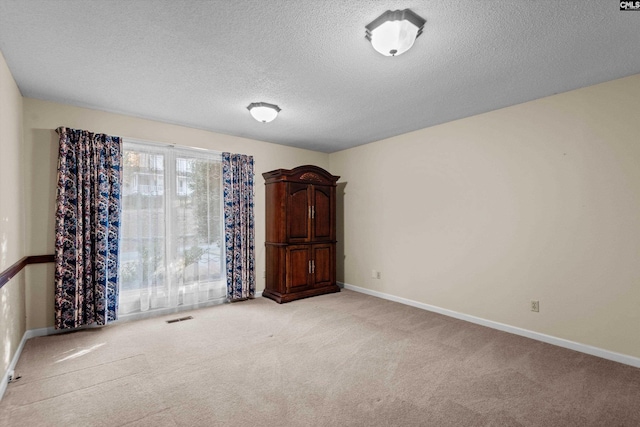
(394, 32)
(263, 112)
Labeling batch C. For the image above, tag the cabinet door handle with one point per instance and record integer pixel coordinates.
(313, 212)
(313, 266)
(309, 266)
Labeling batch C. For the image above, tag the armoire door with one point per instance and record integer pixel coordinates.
(322, 259)
(322, 213)
(298, 267)
(298, 213)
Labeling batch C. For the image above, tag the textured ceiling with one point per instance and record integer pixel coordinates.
(200, 63)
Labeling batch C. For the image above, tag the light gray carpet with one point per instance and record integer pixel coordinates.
(334, 360)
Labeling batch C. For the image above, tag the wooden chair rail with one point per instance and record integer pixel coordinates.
(10, 272)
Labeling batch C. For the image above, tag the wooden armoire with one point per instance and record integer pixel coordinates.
(301, 233)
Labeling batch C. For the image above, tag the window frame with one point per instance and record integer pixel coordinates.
(171, 193)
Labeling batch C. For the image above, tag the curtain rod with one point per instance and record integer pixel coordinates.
(156, 143)
(167, 144)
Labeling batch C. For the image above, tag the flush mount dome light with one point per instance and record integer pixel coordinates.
(263, 112)
(394, 32)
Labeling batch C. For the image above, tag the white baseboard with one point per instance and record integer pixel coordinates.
(572, 345)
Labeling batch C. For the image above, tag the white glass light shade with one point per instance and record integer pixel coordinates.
(394, 32)
(263, 112)
(394, 37)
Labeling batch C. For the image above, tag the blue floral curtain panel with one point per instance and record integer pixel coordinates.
(237, 170)
(87, 228)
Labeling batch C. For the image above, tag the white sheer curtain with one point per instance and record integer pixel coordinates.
(172, 240)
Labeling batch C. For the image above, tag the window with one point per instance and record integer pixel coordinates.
(171, 252)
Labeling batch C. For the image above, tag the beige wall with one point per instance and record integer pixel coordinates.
(40, 120)
(12, 225)
(539, 201)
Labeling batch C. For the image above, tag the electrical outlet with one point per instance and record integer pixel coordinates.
(11, 375)
(535, 306)
(378, 275)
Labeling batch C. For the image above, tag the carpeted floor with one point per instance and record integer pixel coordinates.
(334, 360)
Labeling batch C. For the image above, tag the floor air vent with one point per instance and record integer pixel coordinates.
(180, 319)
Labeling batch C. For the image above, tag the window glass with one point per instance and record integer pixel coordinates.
(172, 229)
